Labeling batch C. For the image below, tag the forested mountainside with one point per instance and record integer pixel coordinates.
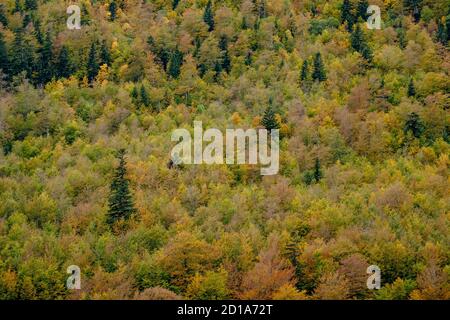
(86, 178)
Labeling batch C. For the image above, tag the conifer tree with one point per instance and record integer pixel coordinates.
(208, 16)
(105, 56)
(44, 68)
(269, 120)
(92, 63)
(21, 55)
(317, 173)
(411, 89)
(175, 4)
(3, 19)
(63, 65)
(120, 202)
(176, 60)
(346, 14)
(145, 99)
(17, 7)
(134, 95)
(304, 72)
(4, 59)
(319, 73)
(31, 5)
(359, 43)
(113, 10)
(441, 32)
(361, 10)
(414, 125)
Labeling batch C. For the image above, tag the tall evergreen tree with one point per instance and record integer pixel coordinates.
(269, 120)
(175, 63)
(175, 4)
(92, 63)
(319, 73)
(145, 99)
(441, 34)
(21, 57)
(317, 173)
(414, 125)
(4, 59)
(17, 7)
(113, 10)
(361, 10)
(31, 5)
(346, 14)
(120, 202)
(304, 72)
(44, 67)
(208, 16)
(359, 43)
(63, 65)
(411, 88)
(3, 19)
(105, 56)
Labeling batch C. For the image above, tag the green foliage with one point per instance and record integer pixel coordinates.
(319, 73)
(414, 125)
(120, 203)
(92, 65)
(208, 16)
(176, 60)
(359, 43)
(269, 120)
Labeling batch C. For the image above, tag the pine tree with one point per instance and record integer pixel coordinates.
(135, 95)
(319, 69)
(105, 56)
(361, 10)
(92, 63)
(411, 89)
(269, 120)
(21, 55)
(4, 59)
(3, 19)
(17, 7)
(441, 32)
(304, 72)
(63, 65)
(208, 16)
(145, 99)
(346, 14)
(226, 62)
(359, 43)
(414, 124)
(112, 10)
(44, 68)
(175, 63)
(317, 173)
(175, 4)
(31, 5)
(121, 204)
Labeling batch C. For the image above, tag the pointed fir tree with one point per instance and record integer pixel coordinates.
(3, 18)
(121, 205)
(304, 71)
(269, 120)
(22, 57)
(4, 59)
(361, 9)
(92, 66)
(135, 95)
(414, 125)
(105, 56)
(359, 43)
(31, 5)
(208, 16)
(317, 173)
(411, 89)
(441, 34)
(319, 73)
(145, 99)
(17, 7)
(63, 65)
(175, 4)
(346, 14)
(45, 68)
(175, 63)
(112, 10)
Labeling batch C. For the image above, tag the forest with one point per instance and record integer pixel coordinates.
(86, 178)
